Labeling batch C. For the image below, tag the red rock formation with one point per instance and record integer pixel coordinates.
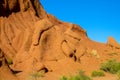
(112, 42)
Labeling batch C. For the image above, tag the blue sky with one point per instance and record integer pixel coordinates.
(100, 18)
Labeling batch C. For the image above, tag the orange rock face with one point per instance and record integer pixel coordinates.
(113, 43)
(33, 41)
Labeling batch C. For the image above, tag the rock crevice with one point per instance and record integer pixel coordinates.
(9, 6)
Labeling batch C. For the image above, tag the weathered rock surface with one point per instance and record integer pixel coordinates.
(9, 6)
(113, 43)
(33, 41)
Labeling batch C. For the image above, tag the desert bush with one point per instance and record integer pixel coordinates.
(80, 76)
(77, 77)
(36, 75)
(10, 61)
(97, 74)
(111, 66)
(94, 53)
(64, 78)
(118, 75)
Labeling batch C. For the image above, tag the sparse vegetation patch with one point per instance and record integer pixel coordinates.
(80, 76)
(118, 75)
(111, 66)
(94, 53)
(10, 61)
(36, 75)
(97, 74)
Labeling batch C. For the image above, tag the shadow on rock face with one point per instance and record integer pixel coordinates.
(0, 63)
(9, 6)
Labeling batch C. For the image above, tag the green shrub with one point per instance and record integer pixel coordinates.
(10, 61)
(63, 78)
(83, 77)
(97, 74)
(74, 78)
(95, 53)
(118, 74)
(111, 66)
(36, 75)
(77, 77)
(80, 76)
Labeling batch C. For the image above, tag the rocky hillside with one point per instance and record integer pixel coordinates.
(33, 41)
